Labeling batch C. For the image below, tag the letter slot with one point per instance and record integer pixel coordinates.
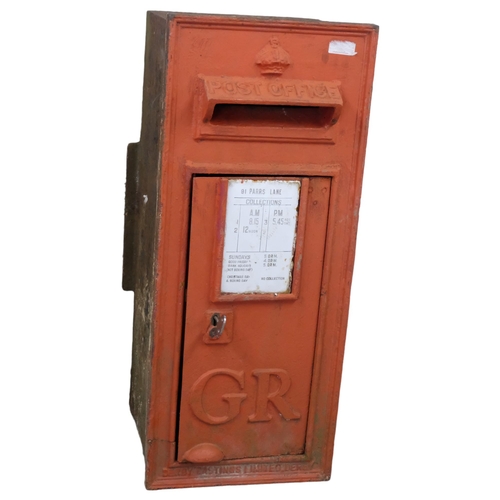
(226, 104)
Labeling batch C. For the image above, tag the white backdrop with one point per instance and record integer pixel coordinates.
(419, 411)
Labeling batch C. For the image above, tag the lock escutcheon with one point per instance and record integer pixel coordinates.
(218, 322)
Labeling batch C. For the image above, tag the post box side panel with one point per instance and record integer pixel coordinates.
(194, 50)
(339, 270)
(142, 221)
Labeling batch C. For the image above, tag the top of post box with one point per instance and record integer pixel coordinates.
(253, 19)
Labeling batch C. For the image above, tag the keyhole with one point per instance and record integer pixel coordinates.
(217, 324)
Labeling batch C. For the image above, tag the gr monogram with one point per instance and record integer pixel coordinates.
(234, 400)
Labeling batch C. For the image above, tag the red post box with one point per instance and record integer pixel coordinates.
(241, 212)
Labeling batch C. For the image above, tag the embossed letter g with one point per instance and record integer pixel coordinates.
(234, 399)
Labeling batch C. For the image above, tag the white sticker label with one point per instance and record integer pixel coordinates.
(343, 48)
(261, 224)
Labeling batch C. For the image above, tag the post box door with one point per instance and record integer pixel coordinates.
(254, 282)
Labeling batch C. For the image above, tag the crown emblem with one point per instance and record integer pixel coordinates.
(273, 59)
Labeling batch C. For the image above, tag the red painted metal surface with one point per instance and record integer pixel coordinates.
(232, 388)
(272, 341)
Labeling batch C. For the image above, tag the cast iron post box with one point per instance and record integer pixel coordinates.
(241, 212)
